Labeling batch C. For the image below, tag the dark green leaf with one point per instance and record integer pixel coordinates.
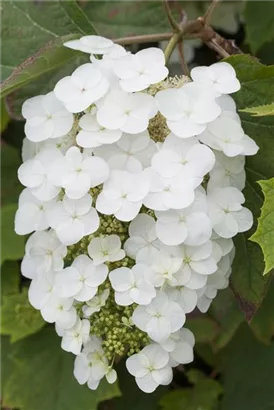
(10, 186)
(204, 328)
(248, 373)
(12, 245)
(18, 318)
(10, 278)
(259, 23)
(203, 396)
(226, 312)
(38, 375)
(262, 324)
(35, 32)
(257, 82)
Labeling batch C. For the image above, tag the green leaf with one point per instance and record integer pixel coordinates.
(19, 318)
(119, 18)
(203, 396)
(38, 374)
(204, 328)
(132, 397)
(261, 110)
(48, 58)
(10, 278)
(248, 373)
(262, 324)
(257, 88)
(12, 245)
(10, 186)
(264, 234)
(35, 31)
(5, 118)
(44, 84)
(226, 312)
(259, 23)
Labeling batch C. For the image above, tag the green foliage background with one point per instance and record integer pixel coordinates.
(234, 353)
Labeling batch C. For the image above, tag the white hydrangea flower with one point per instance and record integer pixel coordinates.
(91, 44)
(138, 71)
(43, 253)
(81, 279)
(180, 347)
(150, 367)
(132, 152)
(31, 214)
(185, 297)
(219, 280)
(77, 172)
(221, 76)
(85, 86)
(160, 318)
(190, 225)
(227, 171)
(191, 160)
(132, 285)
(122, 195)
(92, 134)
(198, 263)
(163, 268)
(105, 249)
(221, 246)
(72, 219)
(168, 192)
(92, 365)
(226, 134)
(142, 242)
(46, 118)
(227, 213)
(126, 112)
(94, 305)
(34, 174)
(60, 311)
(188, 109)
(73, 338)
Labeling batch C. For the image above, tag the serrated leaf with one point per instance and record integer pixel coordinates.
(10, 186)
(261, 110)
(31, 26)
(204, 328)
(259, 23)
(38, 374)
(203, 396)
(12, 245)
(257, 88)
(18, 318)
(264, 234)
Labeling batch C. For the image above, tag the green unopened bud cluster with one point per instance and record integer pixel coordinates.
(113, 324)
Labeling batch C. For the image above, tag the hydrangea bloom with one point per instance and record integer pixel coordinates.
(133, 203)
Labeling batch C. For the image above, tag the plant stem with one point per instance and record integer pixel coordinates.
(208, 14)
(182, 58)
(172, 44)
(146, 38)
(171, 20)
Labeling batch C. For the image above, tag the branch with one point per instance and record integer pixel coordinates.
(146, 38)
(208, 14)
(171, 19)
(182, 58)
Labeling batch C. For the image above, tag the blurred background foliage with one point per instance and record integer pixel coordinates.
(234, 353)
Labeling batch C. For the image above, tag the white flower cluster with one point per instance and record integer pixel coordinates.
(133, 192)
